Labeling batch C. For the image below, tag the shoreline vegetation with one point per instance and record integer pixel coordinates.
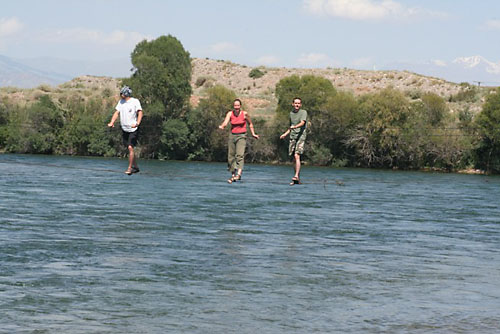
(370, 119)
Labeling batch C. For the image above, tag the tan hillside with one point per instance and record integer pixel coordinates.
(82, 88)
(258, 94)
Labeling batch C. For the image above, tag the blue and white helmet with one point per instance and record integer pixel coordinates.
(126, 91)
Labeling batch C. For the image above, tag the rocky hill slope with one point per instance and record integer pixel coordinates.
(258, 93)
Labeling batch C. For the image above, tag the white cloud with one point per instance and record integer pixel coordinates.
(366, 9)
(316, 60)
(225, 48)
(10, 26)
(438, 62)
(362, 62)
(268, 60)
(491, 25)
(80, 35)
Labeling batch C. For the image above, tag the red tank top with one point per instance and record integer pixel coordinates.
(238, 123)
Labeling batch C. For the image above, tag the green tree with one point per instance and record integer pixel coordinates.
(34, 128)
(85, 131)
(331, 127)
(210, 142)
(176, 139)
(313, 90)
(488, 122)
(435, 108)
(161, 80)
(378, 138)
(162, 72)
(4, 124)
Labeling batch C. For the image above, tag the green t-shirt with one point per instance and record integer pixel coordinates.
(296, 118)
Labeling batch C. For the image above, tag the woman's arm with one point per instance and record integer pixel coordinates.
(250, 124)
(226, 120)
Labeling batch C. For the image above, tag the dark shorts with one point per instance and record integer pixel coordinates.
(130, 138)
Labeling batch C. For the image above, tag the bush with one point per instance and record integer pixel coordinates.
(204, 81)
(256, 73)
(435, 108)
(488, 151)
(467, 93)
(203, 123)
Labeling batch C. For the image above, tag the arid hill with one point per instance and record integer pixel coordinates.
(258, 93)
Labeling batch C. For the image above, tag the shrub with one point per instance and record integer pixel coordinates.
(256, 73)
(466, 94)
(204, 81)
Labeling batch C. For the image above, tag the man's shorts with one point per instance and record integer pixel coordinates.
(296, 146)
(130, 138)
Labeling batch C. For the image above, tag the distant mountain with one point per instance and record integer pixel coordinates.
(14, 73)
(478, 62)
(475, 70)
(29, 73)
(116, 68)
(32, 72)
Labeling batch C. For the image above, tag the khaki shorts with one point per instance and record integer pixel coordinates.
(296, 146)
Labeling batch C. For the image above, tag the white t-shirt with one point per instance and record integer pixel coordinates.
(128, 113)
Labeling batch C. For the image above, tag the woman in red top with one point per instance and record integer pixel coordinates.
(237, 139)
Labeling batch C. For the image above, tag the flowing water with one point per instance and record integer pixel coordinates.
(85, 248)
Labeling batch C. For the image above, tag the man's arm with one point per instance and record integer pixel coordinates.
(139, 118)
(298, 125)
(113, 119)
(285, 134)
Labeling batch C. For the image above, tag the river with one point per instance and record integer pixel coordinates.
(85, 248)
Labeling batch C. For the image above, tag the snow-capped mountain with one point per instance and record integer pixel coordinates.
(478, 62)
(474, 69)
(28, 73)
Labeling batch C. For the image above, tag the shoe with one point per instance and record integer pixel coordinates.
(295, 180)
(129, 171)
(135, 170)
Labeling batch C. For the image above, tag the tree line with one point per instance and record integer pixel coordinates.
(386, 129)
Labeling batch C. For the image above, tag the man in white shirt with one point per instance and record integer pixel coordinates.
(130, 111)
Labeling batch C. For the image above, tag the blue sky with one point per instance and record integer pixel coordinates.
(361, 34)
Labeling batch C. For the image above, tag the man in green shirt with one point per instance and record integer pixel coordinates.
(298, 132)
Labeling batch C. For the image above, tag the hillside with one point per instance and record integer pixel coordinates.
(258, 94)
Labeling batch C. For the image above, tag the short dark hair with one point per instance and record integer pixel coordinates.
(297, 98)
